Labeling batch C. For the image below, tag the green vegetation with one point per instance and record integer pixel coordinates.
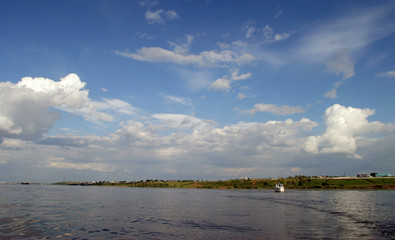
(297, 182)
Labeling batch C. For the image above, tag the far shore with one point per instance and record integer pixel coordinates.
(297, 182)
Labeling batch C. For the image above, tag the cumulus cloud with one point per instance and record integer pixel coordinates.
(182, 145)
(28, 107)
(198, 137)
(387, 74)
(223, 84)
(343, 126)
(274, 109)
(340, 63)
(178, 142)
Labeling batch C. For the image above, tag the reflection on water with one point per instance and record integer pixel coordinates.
(77, 212)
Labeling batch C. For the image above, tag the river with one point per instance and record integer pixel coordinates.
(88, 212)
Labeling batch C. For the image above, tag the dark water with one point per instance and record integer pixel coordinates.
(78, 212)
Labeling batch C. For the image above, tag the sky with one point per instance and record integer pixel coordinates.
(190, 89)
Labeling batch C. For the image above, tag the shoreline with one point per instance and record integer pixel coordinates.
(299, 182)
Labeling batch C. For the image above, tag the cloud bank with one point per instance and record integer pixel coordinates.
(343, 127)
(173, 144)
(28, 108)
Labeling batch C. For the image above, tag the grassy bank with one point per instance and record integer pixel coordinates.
(297, 182)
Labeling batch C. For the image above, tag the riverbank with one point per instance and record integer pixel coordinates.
(297, 182)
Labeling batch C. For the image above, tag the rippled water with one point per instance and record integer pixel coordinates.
(78, 212)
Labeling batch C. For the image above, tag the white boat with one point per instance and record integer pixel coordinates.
(279, 187)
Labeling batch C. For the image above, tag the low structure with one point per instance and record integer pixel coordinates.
(362, 175)
(373, 174)
(383, 175)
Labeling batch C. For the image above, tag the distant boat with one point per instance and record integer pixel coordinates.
(279, 187)
(26, 183)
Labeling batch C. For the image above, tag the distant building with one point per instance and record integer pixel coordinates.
(383, 175)
(380, 174)
(362, 175)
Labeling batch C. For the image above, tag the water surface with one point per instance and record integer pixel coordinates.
(88, 212)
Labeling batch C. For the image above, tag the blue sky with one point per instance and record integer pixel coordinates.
(130, 90)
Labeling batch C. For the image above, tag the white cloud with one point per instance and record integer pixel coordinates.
(296, 170)
(249, 28)
(352, 31)
(274, 109)
(280, 37)
(191, 146)
(27, 107)
(331, 93)
(182, 49)
(203, 138)
(115, 105)
(387, 74)
(196, 79)
(223, 84)
(154, 17)
(268, 35)
(340, 62)
(181, 121)
(203, 59)
(267, 32)
(149, 3)
(94, 166)
(278, 14)
(178, 100)
(171, 14)
(159, 15)
(183, 143)
(241, 96)
(236, 45)
(238, 171)
(133, 131)
(250, 31)
(343, 126)
(145, 35)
